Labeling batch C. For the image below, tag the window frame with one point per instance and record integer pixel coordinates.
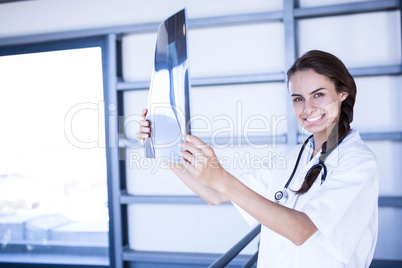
(48, 43)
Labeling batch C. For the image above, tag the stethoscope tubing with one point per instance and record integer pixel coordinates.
(297, 162)
(282, 196)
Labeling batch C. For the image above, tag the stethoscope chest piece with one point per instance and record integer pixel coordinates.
(281, 196)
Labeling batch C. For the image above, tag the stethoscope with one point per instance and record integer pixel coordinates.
(282, 196)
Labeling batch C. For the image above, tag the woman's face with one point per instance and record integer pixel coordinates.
(315, 101)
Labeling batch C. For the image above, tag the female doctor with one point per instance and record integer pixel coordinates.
(321, 210)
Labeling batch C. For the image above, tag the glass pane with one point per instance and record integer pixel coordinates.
(371, 38)
(138, 53)
(186, 228)
(389, 157)
(211, 8)
(219, 51)
(239, 110)
(53, 190)
(389, 243)
(133, 102)
(237, 50)
(378, 91)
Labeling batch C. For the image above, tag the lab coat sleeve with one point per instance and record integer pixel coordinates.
(345, 204)
(256, 180)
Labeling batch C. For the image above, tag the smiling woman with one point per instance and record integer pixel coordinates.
(328, 112)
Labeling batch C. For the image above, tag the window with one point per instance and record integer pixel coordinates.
(53, 179)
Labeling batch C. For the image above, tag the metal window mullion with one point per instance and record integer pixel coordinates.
(127, 199)
(400, 21)
(213, 81)
(260, 78)
(382, 136)
(228, 141)
(290, 57)
(371, 136)
(390, 201)
(346, 9)
(270, 16)
(158, 258)
(376, 70)
(238, 79)
(112, 150)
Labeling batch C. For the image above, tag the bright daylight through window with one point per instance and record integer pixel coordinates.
(53, 188)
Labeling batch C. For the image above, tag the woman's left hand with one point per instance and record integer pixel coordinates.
(200, 160)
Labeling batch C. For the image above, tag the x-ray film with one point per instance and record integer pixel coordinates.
(168, 101)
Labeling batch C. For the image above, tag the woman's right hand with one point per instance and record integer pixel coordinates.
(144, 130)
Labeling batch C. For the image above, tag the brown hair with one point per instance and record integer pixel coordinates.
(327, 64)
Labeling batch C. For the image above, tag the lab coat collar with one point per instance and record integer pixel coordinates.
(332, 160)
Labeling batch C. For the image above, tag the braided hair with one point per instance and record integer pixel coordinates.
(330, 66)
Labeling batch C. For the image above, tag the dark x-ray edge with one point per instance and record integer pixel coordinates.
(168, 101)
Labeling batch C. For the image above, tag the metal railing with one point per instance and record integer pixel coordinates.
(226, 258)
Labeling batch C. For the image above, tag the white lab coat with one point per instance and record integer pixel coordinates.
(344, 208)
